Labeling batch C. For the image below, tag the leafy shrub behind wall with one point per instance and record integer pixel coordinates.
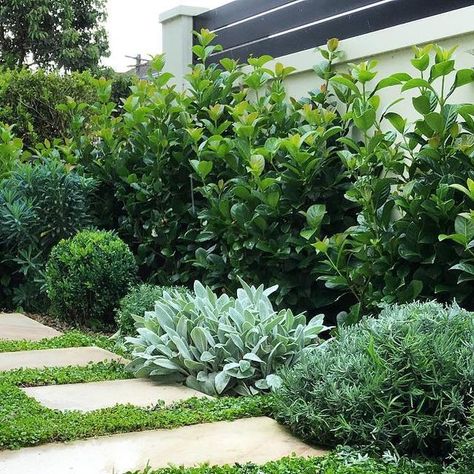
(29, 100)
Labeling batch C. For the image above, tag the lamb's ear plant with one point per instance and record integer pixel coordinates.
(220, 344)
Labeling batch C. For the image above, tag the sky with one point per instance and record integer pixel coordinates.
(134, 28)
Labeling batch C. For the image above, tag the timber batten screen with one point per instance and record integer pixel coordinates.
(281, 27)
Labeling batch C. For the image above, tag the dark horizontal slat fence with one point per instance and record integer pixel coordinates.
(235, 11)
(285, 19)
(254, 35)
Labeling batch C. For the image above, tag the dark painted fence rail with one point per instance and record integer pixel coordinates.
(279, 27)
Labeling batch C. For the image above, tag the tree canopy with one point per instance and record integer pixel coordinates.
(66, 34)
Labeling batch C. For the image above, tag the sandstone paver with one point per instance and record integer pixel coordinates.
(55, 358)
(255, 440)
(15, 326)
(95, 395)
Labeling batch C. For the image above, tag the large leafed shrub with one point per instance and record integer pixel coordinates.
(234, 177)
(88, 274)
(415, 229)
(220, 344)
(404, 381)
(216, 185)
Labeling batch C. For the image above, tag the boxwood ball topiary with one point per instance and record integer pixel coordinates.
(404, 381)
(88, 274)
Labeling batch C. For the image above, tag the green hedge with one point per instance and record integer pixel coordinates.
(29, 100)
(339, 209)
(235, 178)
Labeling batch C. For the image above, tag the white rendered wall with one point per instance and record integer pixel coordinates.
(391, 47)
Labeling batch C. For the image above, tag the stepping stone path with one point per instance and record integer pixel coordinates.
(95, 395)
(256, 440)
(55, 358)
(15, 327)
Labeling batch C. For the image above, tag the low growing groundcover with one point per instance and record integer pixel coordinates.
(93, 372)
(25, 422)
(73, 338)
(331, 464)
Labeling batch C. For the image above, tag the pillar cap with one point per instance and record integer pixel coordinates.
(181, 10)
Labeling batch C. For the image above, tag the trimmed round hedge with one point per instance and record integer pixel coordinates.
(403, 381)
(140, 298)
(88, 274)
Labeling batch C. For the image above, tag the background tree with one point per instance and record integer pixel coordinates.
(65, 34)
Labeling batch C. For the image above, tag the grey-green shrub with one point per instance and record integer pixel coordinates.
(88, 274)
(133, 305)
(404, 382)
(40, 204)
(220, 344)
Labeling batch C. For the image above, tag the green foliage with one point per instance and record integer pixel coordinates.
(403, 382)
(88, 274)
(331, 464)
(214, 184)
(272, 176)
(93, 372)
(11, 150)
(66, 34)
(40, 204)
(29, 101)
(25, 422)
(408, 242)
(138, 300)
(464, 452)
(347, 202)
(220, 344)
(275, 182)
(69, 339)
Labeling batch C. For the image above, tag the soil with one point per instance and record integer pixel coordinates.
(64, 326)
